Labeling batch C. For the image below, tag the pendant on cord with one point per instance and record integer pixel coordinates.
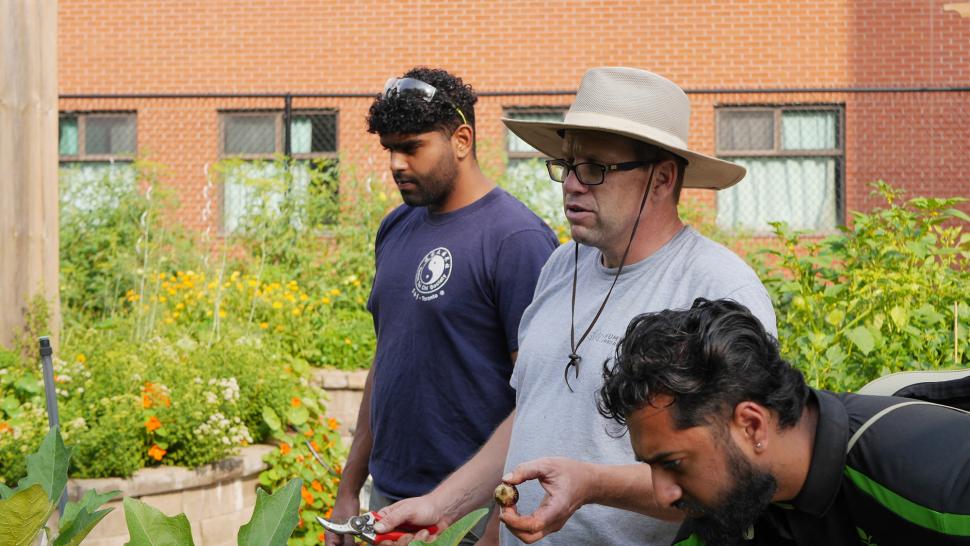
(573, 363)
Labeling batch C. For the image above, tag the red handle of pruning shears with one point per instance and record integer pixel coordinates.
(401, 530)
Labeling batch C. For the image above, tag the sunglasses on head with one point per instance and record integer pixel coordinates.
(396, 86)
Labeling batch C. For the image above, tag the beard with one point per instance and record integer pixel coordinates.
(727, 520)
(433, 188)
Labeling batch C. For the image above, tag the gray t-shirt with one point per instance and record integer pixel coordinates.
(551, 421)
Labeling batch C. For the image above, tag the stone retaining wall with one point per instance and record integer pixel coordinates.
(217, 498)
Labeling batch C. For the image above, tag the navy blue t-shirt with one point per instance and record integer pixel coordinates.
(448, 293)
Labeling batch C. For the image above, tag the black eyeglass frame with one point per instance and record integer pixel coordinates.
(425, 90)
(603, 169)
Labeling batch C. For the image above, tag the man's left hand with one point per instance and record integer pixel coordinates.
(567, 489)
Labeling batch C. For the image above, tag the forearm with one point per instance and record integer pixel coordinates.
(473, 485)
(628, 487)
(356, 469)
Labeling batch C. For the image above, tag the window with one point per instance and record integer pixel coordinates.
(96, 151)
(256, 184)
(526, 174)
(794, 159)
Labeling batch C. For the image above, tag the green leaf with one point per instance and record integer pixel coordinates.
(150, 527)
(82, 524)
(271, 418)
(457, 530)
(862, 339)
(23, 515)
(48, 466)
(297, 416)
(900, 316)
(80, 517)
(274, 517)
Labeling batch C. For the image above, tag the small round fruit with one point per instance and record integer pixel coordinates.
(506, 494)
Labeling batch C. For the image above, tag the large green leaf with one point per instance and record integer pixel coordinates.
(48, 466)
(271, 419)
(23, 515)
(80, 517)
(148, 526)
(274, 517)
(456, 531)
(862, 338)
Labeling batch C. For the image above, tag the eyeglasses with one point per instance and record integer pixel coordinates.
(588, 173)
(396, 86)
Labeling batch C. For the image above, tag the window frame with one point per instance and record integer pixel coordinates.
(278, 133)
(82, 117)
(837, 153)
(524, 156)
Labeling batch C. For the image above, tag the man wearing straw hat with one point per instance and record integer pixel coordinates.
(621, 155)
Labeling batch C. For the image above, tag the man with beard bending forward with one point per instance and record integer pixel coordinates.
(738, 442)
(455, 267)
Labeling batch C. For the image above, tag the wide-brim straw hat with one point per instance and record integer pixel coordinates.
(636, 104)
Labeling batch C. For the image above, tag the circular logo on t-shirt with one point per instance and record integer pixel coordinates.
(433, 271)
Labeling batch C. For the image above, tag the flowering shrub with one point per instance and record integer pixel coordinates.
(301, 430)
(886, 295)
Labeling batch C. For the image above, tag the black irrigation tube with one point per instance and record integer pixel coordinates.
(725, 91)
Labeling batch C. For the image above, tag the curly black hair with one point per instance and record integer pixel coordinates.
(709, 359)
(408, 113)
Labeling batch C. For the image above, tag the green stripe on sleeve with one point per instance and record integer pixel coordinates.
(941, 522)
(692, 540)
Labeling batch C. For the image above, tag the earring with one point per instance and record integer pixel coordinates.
(759, 445)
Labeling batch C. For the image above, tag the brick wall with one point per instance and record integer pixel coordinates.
(223, 46)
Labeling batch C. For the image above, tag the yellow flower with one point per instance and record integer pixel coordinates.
(325, 301)
(169, 320)
(162, 299)
(335, 292)
(161, 276)
(81, 358)
(304, 297)
(347, 341)
(222, 313)
(176, 315)
(279, 328)
(277, 305)
(296, 311)
(253, 283)
(264, 325)
(180, 305)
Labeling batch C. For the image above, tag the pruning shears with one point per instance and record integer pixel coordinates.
(362, 527)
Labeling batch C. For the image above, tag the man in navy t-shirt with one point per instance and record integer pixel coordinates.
(456, 266)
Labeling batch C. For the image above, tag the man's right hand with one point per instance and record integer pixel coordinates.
(418, 511)
(344, 508)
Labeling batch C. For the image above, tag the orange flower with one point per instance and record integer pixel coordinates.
(284, 448)
(300, 523)
(308, 433)
(337, 468)
(316, 486)
(314, 444)
(153, 424)
(328, 514)
(156, 452)
(333, 423)
(146, 401)
(307, 496)
(295, 402)
(4, 427)
(299, 458)
(321, 538)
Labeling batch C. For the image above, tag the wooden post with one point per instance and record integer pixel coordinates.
(28, 163)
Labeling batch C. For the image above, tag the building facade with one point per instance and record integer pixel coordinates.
(817, 99)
